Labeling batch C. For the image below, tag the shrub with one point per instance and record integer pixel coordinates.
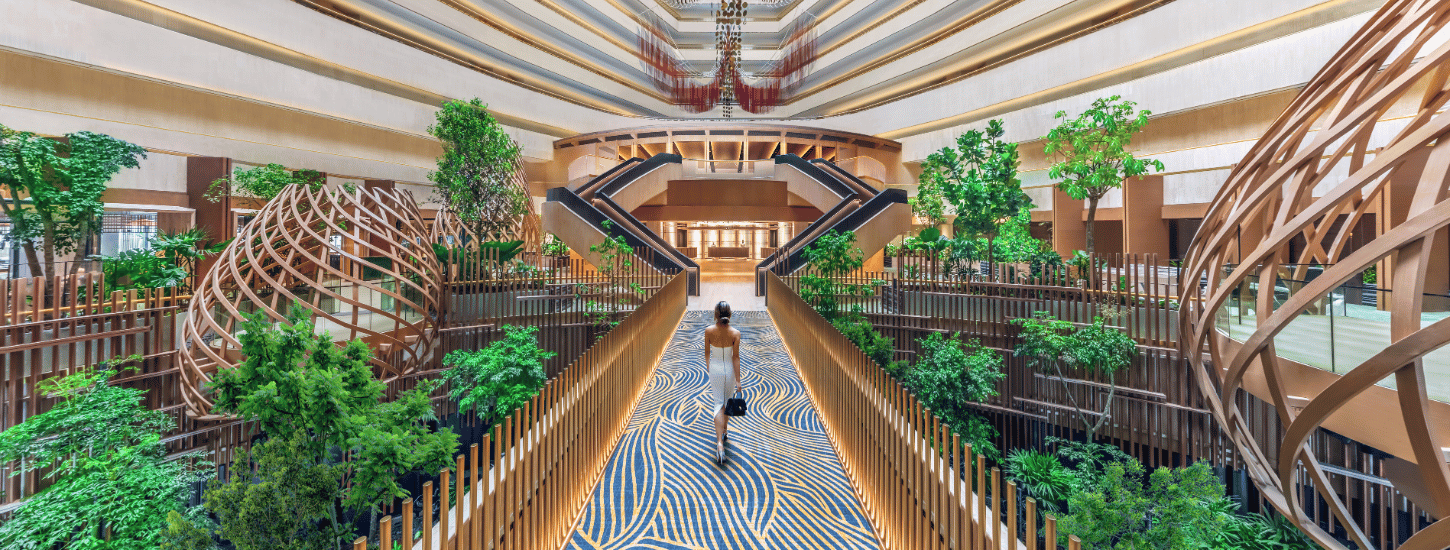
(1042, 476)
(280, 497)
(322, 401)
(495, 380)
(1170, 510)
(874, 344)
(832, 256)
(104, 450)
(947, 375)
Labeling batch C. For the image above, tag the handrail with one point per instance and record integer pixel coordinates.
(831, 167)
(788, 260)
(912, 482)
(814, 172)
(547, 457)
(637, 171)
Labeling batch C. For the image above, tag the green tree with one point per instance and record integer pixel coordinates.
(320, 398)
(831, 257)
(1091, 155)
(616, 258)
(279, 496)
(979, 180)
(494, 381)
(294, 381)
(1049, 343)
(183, 533)
(263, 183)
(477, 172)
(1172, 510)
(55, 190)
(950, 373)
(103, 449)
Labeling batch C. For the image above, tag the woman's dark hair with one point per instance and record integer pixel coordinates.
(722, 312)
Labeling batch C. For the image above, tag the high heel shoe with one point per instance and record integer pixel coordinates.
(720, 455)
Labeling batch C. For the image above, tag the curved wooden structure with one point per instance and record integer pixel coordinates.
(1344, 139)
(360, 260)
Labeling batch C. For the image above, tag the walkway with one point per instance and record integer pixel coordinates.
(783, 487)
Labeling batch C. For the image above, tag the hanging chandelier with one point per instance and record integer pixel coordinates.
(728, 86)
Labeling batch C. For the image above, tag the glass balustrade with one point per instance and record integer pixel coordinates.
(1336, 331)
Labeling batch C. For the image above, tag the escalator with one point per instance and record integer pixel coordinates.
(876, 217)
(577, 216)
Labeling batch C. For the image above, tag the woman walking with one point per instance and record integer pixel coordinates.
(722, 356)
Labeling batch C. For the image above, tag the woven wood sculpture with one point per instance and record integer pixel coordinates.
(360, 260)
(1364, 141)
(448, 230)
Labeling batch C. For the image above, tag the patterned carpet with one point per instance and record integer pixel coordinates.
(783, 486)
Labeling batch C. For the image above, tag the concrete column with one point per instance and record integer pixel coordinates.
(1144, 229)
(1069, 232)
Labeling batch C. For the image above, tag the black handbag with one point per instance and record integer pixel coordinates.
(735, 406)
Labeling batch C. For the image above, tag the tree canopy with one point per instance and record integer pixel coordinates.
(55, 189)
(263, 182)
(978, 179)
(1091, 152)
(103, 448)
(476, 176)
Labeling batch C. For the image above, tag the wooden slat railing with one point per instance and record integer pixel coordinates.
(913, 476)
(527, 482)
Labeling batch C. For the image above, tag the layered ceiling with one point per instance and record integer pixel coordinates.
(586, 51)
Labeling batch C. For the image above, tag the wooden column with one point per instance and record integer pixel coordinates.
(1144, 229)
(215, 218)
(1069, 233)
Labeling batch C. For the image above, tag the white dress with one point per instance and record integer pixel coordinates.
(722, 375)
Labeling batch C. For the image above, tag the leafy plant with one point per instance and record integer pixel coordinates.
(1049, 343)
(1091, 155)
(294, 381)
(948, 374)
(1042, 476)
(262, 182)
(301, 388)
(103, 449)
(616, 258)
(169, 262)
(280, 496)
(1087, 459)
(979, 180)
(55, 190)
(1257, 531)
(871, 342)
(183, 533)
(831, 257)
(554, 247)
(494, 381)
(1170, 510)
(476, 174)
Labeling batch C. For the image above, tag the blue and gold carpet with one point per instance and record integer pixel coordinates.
(783, 486)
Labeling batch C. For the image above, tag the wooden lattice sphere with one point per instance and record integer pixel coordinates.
(360, 260)
(1353, 174)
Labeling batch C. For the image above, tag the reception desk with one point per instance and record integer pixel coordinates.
(729, 252)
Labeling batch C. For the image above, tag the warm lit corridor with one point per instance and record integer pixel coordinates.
(783, 487)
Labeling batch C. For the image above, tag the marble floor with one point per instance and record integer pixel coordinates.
(728, 280)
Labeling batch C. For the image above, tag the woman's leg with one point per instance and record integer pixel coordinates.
(720, 423)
